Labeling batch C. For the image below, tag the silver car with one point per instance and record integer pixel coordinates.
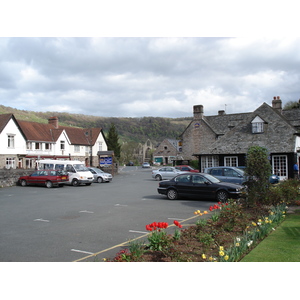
(100, 176)
(165, 173)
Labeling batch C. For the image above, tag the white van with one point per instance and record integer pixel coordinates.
(78, 172)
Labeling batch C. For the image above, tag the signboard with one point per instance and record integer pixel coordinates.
(105, 161)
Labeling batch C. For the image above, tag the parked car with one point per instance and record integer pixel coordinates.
(227, 174)
(48, 178)
(145, 165)
(273, 179)
(186, 168)
(200, 185)
(165, 173)
(234, 174)
(100, 176)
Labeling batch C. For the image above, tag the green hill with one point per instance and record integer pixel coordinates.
(129, 129)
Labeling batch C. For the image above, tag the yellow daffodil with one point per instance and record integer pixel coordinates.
(226, 257)
(203, 256)
(205, 212)
(221, 248)
(221, 253)
(237, 244)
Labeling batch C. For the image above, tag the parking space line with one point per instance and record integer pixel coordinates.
(175, 219)
(41, 220)
(143, 232)
(86, 211)
(80, 251)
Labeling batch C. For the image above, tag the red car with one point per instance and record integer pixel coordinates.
(186, 168)
(48, 178)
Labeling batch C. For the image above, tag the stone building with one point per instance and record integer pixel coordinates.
(168, 151)
(224, 139)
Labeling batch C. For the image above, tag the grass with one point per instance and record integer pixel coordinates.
(282, 245)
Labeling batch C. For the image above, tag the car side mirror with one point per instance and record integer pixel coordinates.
(207, 182)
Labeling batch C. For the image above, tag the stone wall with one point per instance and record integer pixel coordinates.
(9, 177)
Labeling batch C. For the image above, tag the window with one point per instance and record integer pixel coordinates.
(62, 145)
(231, 161)
(47, 146)
(76, 148)
(10, 163)
(257, 125)
(38, 146)
(29, 146)
(100, 144)
(209, 161)
(11, 141)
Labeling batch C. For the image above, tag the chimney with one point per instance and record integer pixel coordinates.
(221, 112)
(276, 103)
(53, 121)
(198, 112)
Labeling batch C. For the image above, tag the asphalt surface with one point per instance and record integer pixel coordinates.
(85, 223)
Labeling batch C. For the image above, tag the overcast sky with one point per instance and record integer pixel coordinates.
(146, 76)
(136, 77)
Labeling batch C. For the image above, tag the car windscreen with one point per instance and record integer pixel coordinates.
(80, 168)
(212, 178)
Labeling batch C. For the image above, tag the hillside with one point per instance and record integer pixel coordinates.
(129, 129)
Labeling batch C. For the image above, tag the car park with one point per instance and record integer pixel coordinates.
(199, 185)
(165, 173)
(146, 165)
(100, 176)
(186, 168)
(48, 178)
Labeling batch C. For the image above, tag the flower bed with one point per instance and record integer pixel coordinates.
(230, 233)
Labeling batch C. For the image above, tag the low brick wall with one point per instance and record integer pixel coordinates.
(9, 177)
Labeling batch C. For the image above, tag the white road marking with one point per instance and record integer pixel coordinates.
(175, 219)
(41, 220)
(138, 231)
(120, 205)
(86, 211)
(80, 251)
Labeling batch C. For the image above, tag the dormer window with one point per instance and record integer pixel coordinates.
(257, 125)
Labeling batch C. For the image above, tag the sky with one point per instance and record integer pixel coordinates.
(139, 73)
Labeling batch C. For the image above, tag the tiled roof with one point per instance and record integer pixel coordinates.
(40, 132)
(278, 136)
(4, 119)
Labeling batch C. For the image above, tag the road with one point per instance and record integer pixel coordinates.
(76, 223)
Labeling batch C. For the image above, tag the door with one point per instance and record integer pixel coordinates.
(279, 165)
(200, 188)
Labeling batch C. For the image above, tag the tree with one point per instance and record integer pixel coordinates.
(113, 141)
(258, 170)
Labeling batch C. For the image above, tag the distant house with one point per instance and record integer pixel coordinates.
(167, 151)
(30, 141)
(224, 139)
(12, 142)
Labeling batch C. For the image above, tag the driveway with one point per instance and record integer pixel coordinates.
(74, 223)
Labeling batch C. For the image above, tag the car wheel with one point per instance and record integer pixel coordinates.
(23, 182)
(172, 194)
(99, 179)
(222, 196)
(49, 184)
(75, 182)
(158, 178)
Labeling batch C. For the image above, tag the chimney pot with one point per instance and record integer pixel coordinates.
(198, 111)
(53, 121)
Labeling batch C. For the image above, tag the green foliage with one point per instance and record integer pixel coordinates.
(286, 191)
(291, 105)
(258, 170)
